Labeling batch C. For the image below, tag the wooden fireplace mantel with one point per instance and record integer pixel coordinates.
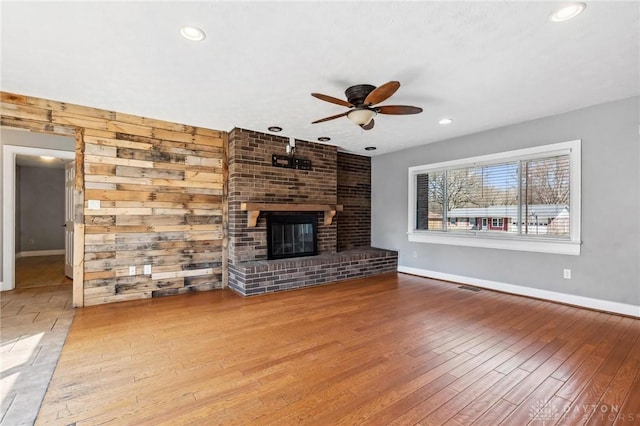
(253, 210)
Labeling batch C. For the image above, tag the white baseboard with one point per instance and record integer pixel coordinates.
(570, 299)
(39, 253)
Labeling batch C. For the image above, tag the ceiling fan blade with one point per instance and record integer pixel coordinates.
(382, 93)
(331, 99)
(398, 110)
(333, 117)
(368, 126)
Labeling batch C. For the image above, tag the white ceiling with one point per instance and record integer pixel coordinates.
(485, 64)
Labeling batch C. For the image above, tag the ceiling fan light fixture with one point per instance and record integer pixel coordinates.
(567, 12)
(361, 116)
(361, 99)
(192, 33)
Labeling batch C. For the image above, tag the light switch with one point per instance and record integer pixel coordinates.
(147, 269)
(94, 204)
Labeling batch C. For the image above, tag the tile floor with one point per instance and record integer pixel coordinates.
(33, 327)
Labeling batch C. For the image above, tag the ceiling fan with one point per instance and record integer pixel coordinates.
(361, 99)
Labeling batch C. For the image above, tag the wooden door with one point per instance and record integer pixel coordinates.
(69, 182)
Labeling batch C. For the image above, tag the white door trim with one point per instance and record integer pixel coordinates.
(9, 153)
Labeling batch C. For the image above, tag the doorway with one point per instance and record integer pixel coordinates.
(12, 154)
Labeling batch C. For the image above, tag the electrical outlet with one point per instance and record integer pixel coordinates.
(147, 269)
(415, 254)
(132, 270)
(566, 274)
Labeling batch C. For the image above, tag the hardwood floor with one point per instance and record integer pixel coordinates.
(40, 271)
(394, 349)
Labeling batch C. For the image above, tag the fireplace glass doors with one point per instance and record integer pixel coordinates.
(291, 236)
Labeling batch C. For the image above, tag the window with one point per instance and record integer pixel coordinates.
(519, 200)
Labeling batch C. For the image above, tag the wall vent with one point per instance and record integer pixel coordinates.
(466, 287)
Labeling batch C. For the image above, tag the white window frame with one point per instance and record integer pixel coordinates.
(530, 243)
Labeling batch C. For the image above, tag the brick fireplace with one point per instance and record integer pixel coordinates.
(253, 179)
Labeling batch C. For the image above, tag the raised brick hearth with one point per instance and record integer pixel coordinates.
(264, 276)
(253, 179)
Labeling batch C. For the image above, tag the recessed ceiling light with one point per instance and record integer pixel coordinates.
(192, 33)
(47, 157)
(275, 129)
(370, 148)
(324, 139)
(444, 121)
(569, 11)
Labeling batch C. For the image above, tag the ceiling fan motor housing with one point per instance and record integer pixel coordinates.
(358, 93)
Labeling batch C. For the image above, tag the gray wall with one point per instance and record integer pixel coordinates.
(39, 209)
(34, 140)
(609, 265)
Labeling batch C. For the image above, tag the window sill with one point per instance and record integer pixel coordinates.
(517, 244)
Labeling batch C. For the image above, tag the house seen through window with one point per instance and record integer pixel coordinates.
(521, 194)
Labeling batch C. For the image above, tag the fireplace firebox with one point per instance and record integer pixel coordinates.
(291, 235)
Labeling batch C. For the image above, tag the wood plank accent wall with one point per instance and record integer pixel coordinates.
(354, 193)
(161, 188)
